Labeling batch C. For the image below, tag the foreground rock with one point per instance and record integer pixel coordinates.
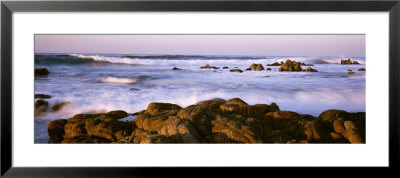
(211, 121)
(348, 61)
(208, 67)
(41, 72)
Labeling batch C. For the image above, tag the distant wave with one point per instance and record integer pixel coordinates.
(180, 60)
(110, 79)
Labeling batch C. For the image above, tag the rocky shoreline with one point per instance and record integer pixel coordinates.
(211, 121)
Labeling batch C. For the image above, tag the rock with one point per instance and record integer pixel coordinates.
(290, 66)
(211, 121)
(248, 69)
(304, 64)
(156, 109)
(41, 106)
(135, 89)
(236, 70)
(256, 67)
(348, 61)
(361, 69)
(42, 96)
(175, 68)
(56, 130)
(208, 67)
(351, 72)
(275, 64)
(269, 69)
(41, 72)
(309, 69)
(226, 67)
(59, 106)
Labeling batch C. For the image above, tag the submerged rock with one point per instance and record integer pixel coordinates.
(361, 69)
(42, 96)
(41, 106)
(208, 67)
(59, 106)
(41, 72)
(236, 70)
(211, 121)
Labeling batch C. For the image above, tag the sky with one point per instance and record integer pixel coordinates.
(246, 45)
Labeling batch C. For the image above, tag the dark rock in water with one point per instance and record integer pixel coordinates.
(309, 69)
(41, 72)
(361, 69)
(226, 67)
(304, 64)
(290, 66)
(41, 106)
(248, 69)
(351, 72)
(42, 96)
(236, 70)
(56, 130)
(269, 69)
(59, 106)
(275, 64)
(208, 67)
(135, 89)
(348, 61)
(257, 67)
(212, 121)
(175, 68)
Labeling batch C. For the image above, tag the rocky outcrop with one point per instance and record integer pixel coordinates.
(256, 67)
(41, 72)
(361, 69)
(290, 66)
(348, 61)
(208, 67)
(211, 121)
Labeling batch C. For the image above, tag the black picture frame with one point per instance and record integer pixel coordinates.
(8, 7)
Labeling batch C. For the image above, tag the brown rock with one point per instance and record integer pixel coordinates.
(290, 66)
(309, 69)
(56, 130)
(236, 70)
(208, 67)
(361, 69)
(41, 106)
(156, 109)
(59, 106)
(42, 96)
(41, 72)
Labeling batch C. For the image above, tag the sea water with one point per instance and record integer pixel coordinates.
(95, 83)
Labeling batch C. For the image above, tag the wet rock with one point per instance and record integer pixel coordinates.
(56, 130)
(304, 64)
(156, 109)
(361, 69)
(351, 72)
(348, 61)
(248, 69)
(275, 64)
(175, 68)
(41, 72)
(309, 69)
(41, 106)
(290, 66)
(134, 89)
(256, 67)
(269, 69)
(42, 96)
(226, 67)
(208, 67)
(235, 70)
(59, 106)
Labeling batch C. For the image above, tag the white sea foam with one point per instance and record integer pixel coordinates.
(110, 79)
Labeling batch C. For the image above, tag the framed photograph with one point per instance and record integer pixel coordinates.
(140, 88)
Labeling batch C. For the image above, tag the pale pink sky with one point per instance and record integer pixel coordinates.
(256, 45)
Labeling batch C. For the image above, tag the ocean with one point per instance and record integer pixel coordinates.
(94, 83)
